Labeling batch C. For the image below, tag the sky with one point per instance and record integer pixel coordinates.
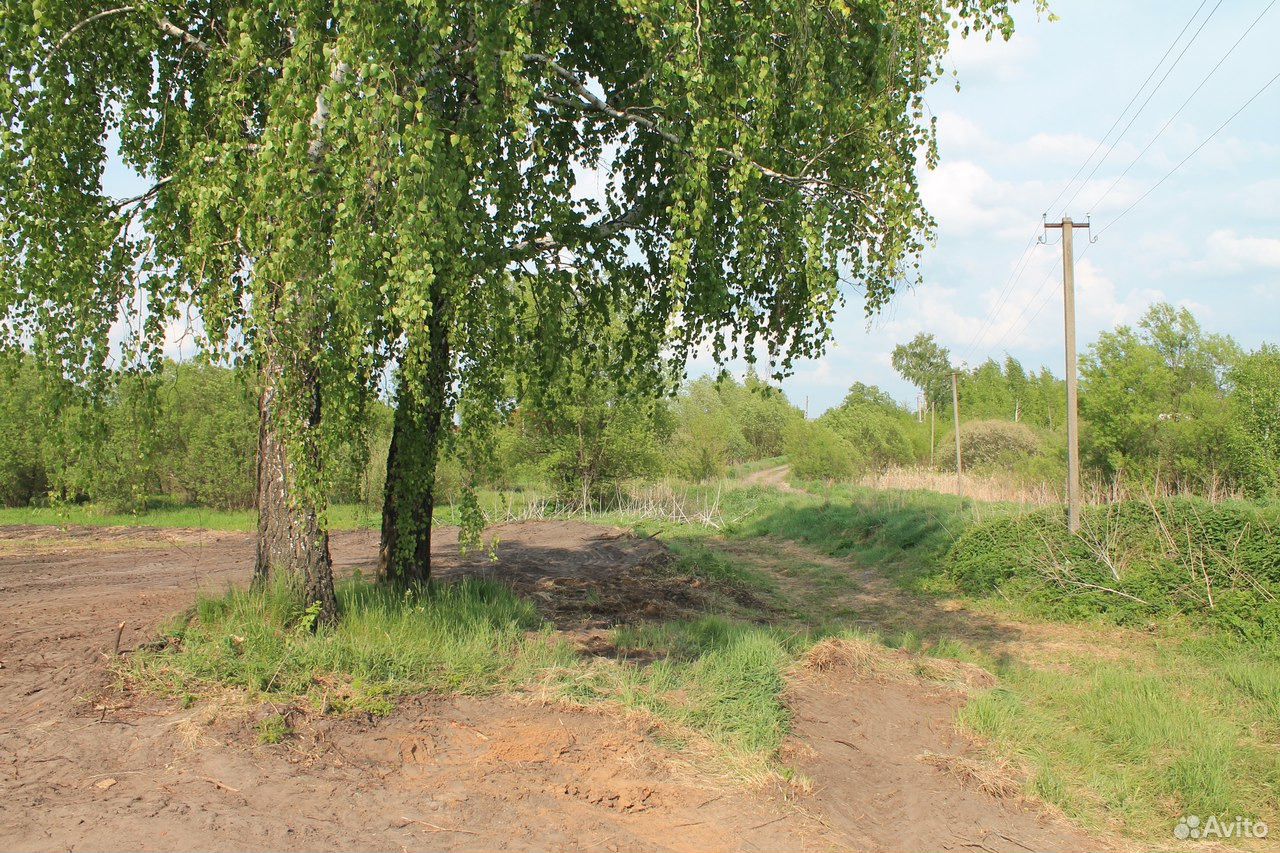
(1028, 114)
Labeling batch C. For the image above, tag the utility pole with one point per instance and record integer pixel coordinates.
(1069, 325)
(955, 410)
(806, 407)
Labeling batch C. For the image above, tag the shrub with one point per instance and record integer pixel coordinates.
(878, 439)
(1134, 560)
(990, 444)
(23, 478)
(817, 452)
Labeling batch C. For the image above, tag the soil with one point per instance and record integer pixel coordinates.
(86, 764)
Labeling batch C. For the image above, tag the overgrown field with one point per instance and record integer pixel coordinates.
(1123, 716)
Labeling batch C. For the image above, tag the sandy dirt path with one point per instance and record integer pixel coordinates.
(84, 765)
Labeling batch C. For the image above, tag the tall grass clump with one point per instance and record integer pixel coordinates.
(718, 677)
(471, 636)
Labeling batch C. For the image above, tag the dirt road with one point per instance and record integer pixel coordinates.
(85, 765)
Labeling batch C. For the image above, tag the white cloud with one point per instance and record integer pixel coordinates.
(1072, 147)
(965, 198)
(1225, 251)
(957, 133)
(1099, 303)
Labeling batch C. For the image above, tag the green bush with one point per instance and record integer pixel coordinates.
(23, 477)
(878, 439)
(1132, 561)
(817, 452)
(990, 444)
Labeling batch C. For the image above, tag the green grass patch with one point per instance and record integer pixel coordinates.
(273, 729)
(1186, 727)
(903, 534)
(720, 678)
(470, 637)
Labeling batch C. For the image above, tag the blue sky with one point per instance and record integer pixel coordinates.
(1028, 114)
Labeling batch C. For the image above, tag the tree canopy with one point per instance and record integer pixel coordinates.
(926, 364)
(339, 189)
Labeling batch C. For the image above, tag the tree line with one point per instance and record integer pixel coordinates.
(1163, 403)
(188, 434)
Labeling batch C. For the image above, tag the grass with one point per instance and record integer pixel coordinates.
(716, 680)
(719, 678)
(467, 637)
(1186, 725)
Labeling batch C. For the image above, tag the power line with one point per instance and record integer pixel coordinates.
(1150, 95)
(1020, 266)
(1015, 275)
(1016, 329)
(1183, 106)
(1193, 153)
(1120, 117)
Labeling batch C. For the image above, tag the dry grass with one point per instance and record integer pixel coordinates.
(660, 501)
(998, 778)
(868, 659)
(1006, 487)
(993, 488)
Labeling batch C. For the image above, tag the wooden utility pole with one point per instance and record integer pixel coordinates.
(955, 411)
(1069, 325)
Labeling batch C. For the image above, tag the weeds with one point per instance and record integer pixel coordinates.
(1188, 729)
(1132, 562)
(273, 729)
